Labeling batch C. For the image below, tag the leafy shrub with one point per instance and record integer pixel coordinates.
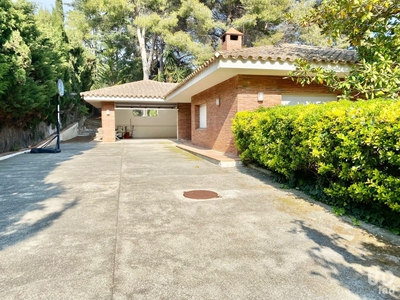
(348, 150)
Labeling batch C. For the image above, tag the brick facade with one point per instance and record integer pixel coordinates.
(232, 42)
(108, 121)
(184, 121)
(238, 94)
(273, 87)
(218, 134)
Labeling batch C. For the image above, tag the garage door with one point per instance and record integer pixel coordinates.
(294, 99)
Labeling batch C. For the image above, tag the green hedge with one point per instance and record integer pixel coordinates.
(350, 150)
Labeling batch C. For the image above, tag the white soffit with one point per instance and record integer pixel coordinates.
(224, 69)
(96, 101)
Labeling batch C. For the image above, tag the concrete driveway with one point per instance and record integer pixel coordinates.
(109, 221)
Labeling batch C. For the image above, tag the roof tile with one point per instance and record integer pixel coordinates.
(137, 89)
(291, 52)
(283, 52)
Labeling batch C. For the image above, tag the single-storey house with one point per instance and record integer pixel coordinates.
(201, 107)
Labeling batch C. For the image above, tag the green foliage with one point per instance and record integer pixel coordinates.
(84, 110)
(355, 221)
(134, 40)
(28, 72)
(35, 52)
(15, 147)
(268, 22)
(372, 27)
(339, 211)
(344, 153)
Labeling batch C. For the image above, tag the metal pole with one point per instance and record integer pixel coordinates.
(58, 122)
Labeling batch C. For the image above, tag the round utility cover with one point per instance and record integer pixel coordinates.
(200, 194)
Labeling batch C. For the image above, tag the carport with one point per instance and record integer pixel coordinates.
(135, 110)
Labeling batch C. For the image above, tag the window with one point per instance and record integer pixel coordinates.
(152, 113)
(137, 112)
(145, 113)
(302, 98)
(203, 116)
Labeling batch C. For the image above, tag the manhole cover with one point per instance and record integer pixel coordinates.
(200, 194)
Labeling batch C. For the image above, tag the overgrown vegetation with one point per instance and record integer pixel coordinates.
(346, 154)
(372, 28)
(34, 53)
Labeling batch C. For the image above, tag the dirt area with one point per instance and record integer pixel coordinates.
(93, 122)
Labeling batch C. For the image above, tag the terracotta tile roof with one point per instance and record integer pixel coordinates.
(283, 52)
(233, 31)
(136, 89)
(291, 52)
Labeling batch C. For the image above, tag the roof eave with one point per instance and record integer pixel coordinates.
(97, 100)
(221, 69)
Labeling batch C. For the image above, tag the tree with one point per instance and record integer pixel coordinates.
(7, 25)
(35, 52)
(372, 28)
(104, 28)
(268, 22)
(75, 68)
(182, 25)
(166, 39)
(29, 70)
(150, 28)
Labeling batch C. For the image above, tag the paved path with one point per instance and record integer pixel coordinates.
(109, 221)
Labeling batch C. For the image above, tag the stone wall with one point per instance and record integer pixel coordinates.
(13, 139)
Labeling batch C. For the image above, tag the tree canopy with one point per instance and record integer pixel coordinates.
(34, 53)
(166, 40)
(372, 28)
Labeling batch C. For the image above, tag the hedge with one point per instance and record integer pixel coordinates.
(350, 150)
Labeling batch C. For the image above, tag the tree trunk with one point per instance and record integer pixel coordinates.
(147, 58)
(141, 34)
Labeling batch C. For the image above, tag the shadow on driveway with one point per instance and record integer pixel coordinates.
(30, 201)
(340, 260)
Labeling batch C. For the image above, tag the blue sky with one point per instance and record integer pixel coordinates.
(49, 4)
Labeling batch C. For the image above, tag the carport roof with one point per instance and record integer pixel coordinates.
(138, 89)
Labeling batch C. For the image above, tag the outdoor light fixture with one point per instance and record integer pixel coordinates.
(260, 96)
(107, 112)
(217, 102)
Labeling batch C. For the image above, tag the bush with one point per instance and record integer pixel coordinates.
(349, 150)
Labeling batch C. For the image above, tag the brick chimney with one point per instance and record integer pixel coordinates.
(232, 40)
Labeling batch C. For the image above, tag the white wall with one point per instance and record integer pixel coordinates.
(162, 126)
(294, 99)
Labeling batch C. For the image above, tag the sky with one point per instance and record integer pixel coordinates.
(49, 4)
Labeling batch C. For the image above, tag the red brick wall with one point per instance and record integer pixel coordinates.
(237, 94)
(272, 86)
(230, 44)
(184, 122)
(218, 134)
(108, 121)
